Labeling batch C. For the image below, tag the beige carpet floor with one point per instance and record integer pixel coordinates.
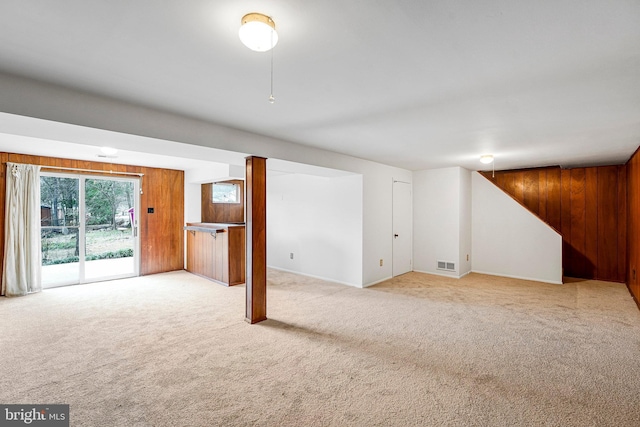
(420, 350)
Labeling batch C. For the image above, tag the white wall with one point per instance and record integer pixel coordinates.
(25, 97)
(436, 219)
(319, 220)
(508, 240)
(465, 236)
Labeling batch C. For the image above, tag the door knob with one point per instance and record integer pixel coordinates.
(395, 235)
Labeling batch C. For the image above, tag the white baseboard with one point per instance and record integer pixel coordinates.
(417, 271)
(452, 276)
(315, 277)
(554, 282)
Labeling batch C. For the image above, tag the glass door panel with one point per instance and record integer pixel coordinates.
(60, 230)
(110, 239)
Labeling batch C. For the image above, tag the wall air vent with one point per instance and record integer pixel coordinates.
(446, 265)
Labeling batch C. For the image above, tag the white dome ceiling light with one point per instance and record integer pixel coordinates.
(258, 32)
(486, 159)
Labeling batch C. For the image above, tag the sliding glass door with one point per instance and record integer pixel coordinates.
(89, 228)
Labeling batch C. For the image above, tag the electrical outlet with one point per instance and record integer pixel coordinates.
(381, 262)
(291, 255)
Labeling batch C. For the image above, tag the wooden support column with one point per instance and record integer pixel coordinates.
(256, 227)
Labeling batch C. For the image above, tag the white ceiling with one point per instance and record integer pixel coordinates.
(411, 83)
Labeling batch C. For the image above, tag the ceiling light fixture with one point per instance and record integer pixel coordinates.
(486, 159)
(109, 151)
(258, 32)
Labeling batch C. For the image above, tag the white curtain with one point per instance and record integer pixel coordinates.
(22, 256)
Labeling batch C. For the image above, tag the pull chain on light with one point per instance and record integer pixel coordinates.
(272, 99)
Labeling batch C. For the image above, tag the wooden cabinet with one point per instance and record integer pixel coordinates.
(217, 252)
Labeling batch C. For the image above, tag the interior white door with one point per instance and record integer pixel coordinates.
(402, 228)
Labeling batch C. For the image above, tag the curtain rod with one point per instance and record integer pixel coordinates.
(92, 170)
(86, 170)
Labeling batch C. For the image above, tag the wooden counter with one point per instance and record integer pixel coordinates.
(216, 252)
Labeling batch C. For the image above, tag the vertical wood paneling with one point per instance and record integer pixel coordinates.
(542, 199)
(565, 218)
(634, 215)
(591, 222)
(635, 240)
(607, 223)
(518, 186)
(510, 183)
(237, 263)
(531, 190)
(148, 224)
(177, 217)
(209, 266)
(161, 233)
(633, 221)
(220, 254)
(207, 212)
(191, 251)
(622, 223)
(499, 179)
(143, 226)
(149, 251)
(167, 207)
(577, 238)
(554, 212)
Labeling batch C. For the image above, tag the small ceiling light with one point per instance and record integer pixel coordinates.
(486, 159)
(109, 151)
(258, 32)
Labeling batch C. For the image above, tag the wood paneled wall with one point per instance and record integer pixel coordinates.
(588, 206)
(222, 212)
(633, 173)
(161, 233)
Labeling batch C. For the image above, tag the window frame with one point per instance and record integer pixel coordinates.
(235, 185)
